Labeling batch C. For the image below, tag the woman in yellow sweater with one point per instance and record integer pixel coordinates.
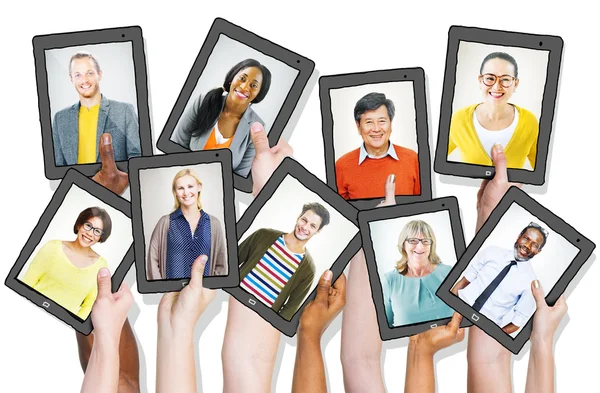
(65, 270)
(474, 130)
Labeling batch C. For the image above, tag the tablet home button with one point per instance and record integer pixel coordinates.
(46, 304)
(252, 301)
(475, 317)
(434, 325)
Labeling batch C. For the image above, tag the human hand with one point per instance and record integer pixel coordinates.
(110, 309)
(267, 159)
(491, 191)
(328, 302)
(178, 312)
(432, 340)
(546, 318)
(110, 176)
(390, 191)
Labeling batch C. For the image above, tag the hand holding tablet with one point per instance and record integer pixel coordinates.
(109, 175)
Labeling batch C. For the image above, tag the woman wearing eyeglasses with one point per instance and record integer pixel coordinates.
(65, 270)
(409, 289)
(474, 130)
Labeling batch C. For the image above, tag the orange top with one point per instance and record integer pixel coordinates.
(211, 143)
(367, 180)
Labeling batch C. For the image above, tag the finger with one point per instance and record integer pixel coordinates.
(283, 148)
(561, 302)
(198, 271)
(340, 284)
(123, 291)
(104, 283)
(538, 294)
(259, 138)
(390, 190)
(460, 335)
(323, 288)
(107, 155)
(499, 163)
(454, 323)
(484, 184)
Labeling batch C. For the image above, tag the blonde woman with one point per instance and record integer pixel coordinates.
(409, 289)
(181, 236)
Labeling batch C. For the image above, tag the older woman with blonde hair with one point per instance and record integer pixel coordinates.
(181, 236)
(409, 289)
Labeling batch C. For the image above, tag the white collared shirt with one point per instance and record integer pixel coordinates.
(363, 153)
(512, 294)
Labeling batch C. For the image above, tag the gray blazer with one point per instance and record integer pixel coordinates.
(241, 147)
(116, 118)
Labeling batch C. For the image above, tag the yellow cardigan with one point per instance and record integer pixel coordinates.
(522, 144)
(54, 276)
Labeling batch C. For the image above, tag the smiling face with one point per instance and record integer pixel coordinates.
(417, 253)
(87, 238)
(187, 190)
(246, 85)
(375, 128)
(496, 93)
(307, 225)
(85, 77)
(529, 244)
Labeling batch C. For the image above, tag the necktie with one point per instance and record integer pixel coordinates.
(487, 292)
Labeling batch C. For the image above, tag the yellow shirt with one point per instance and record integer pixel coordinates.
(522, 144)
(54, 276)
(88, 125)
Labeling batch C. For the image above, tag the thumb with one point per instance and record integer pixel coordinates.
(323, 288)
(198, 271)
(107, 155)
(104, 283)
(538, 294)
(390, 190)
(454, 323)
(259, 138)
(499, 163)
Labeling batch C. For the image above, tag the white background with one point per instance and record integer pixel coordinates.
(549, 265)
(404, 125)
(384, 236)
(61, 228)
(281, 212)
(157, 196)
(118, 76)
(335, 39)
(532, 65)
(227, 53)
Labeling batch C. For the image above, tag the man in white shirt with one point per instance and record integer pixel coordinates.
(498, 281)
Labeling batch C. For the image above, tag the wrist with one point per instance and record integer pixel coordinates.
(541, 343)
(309, 336)
(417, 348)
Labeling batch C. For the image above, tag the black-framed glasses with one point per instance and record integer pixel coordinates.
(89, 227)
(415, 240)
(490, 80)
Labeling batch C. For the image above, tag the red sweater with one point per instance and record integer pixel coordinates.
(367, 180)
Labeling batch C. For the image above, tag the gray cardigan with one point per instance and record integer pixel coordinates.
(241, 147)
(116, 118)
(156, 268)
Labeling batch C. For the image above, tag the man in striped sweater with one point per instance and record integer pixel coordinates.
(276, 267)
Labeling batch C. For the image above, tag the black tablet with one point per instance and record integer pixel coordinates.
(521, 241)
(500, 88)
(183, 207)
(410, 249)
(84, 228)
(237, 79)
(374, 125)
(295, 229)
(90, 83)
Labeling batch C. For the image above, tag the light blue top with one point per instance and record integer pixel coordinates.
(410, 300)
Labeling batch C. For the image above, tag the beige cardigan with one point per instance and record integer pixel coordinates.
(157, 252)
